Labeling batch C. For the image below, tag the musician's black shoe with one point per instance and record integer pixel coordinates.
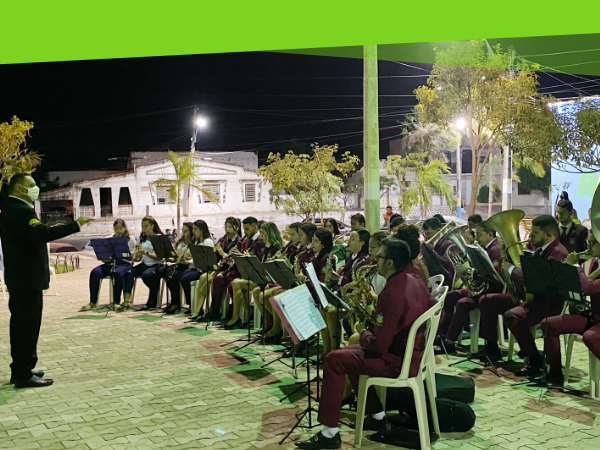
(549, 379)
(350, 400)
(370, 424)
(145, 308)
(494, 355)
(243, 325)
(214, 315)
(172, 309)
(38, 374)
(273, 340)
(533, 368)
(33, 382)
(318, 441)
(233, 326)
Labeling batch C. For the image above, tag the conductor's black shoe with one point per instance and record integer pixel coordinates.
(38, 374)
(318, 441)
(33, 382)
(371, 424)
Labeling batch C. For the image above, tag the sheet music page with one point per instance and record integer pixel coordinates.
(300, 310)
(483, 252)
(312, 275)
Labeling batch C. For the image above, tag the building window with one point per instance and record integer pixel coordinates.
(162, 195)
(250, 192)
(215, 191)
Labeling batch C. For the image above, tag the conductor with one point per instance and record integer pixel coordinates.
(27, 274)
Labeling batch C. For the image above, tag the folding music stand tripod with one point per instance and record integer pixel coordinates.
(113, 249)
(488, 273)
(164, 250)
(252, 271)
(204, 259)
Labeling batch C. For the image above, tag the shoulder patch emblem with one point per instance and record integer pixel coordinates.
(34, 222)
(379, 320)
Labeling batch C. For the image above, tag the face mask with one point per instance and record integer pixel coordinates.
(33, 193)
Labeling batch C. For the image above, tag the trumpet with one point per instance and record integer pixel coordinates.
(585, 255)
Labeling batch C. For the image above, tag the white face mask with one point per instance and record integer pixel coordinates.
(33, 193)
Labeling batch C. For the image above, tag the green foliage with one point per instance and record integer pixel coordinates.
(186, 174)
(309, 179)
(470, 83)
(578, 149)
(529, 181)
(484, 193)
(14, 157)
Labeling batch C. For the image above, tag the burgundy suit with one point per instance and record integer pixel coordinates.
(227, 246)
(320, 264)
(576, 238)
(519, 318)
(440, 249)
(353, 263)
(460, 300)
(411, 268)
(290, 251)
(586, 323)
(380, 353)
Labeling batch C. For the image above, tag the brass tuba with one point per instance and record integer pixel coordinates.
(457, 254)
(441, 234)
(506, 224)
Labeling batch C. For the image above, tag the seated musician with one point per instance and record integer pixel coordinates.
(148, 269)
(472, 223)
(395, 224)
(410, 235)
(293, 246)
(357, 221)
(544, 236)
(273, 243)
(380, 352)
(332, 226)
(358, 245)
(306, 253)
(351, 325)
(461, 299)
(573, 236)
(586, 323)
(104, 270)
(430, 228)
(184, 274)
(224, 246)
(253, 244)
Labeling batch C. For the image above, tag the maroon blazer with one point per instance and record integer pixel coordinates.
(362, 259)
(227, 247)
(403, 300)
(256, 247)
(319, 264)
(290, 251)
(269, 253)
(494, 251)
(575, 239)
(592, 288)
(555, 251)
(414, 270)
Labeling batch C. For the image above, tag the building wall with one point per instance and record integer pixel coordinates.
(70, 176)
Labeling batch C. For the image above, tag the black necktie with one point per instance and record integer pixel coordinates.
(564, 230)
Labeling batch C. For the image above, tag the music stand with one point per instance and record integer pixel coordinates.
(432, 261)
(164, 250)
(251, 270)
(204, 259)
(113, 249)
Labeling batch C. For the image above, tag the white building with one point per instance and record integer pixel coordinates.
(132, 195)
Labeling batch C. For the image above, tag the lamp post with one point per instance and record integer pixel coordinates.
(200, 123)
(460, 125)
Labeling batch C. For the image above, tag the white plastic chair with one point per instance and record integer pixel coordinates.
(475, 317)
(435, 282)
(594, 366)
(426, 373)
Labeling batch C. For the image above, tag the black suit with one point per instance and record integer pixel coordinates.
(27, 274)
(575, 239)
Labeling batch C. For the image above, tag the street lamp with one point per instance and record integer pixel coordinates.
(200, 123)
(460, 124)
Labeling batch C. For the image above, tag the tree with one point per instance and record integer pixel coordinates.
(427, 138)
(305, 184)
(185, 175)
(14, 157)
(489, 175)
(577, 147)
(429, 179)
(351, 188)
(530, 181)
(470, 83)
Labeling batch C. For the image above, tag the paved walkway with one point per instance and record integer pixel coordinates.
(139, 381)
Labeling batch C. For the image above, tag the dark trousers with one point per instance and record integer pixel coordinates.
(449, 304)
(554, 327)
(461, 317)
(219, 287)
(491, 306)
(151, 276)
(103, 271)
(25, 307)
(181, 278)
(520, 318)
(350, 361)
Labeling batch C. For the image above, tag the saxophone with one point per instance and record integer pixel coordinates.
(359, 293)
(297, 268)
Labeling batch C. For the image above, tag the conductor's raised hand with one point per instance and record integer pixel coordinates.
(84, 220)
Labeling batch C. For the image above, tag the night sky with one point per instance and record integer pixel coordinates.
(86, 113)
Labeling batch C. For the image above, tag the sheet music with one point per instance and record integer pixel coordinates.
(312, 275)
(300, 310)
(483, 252)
